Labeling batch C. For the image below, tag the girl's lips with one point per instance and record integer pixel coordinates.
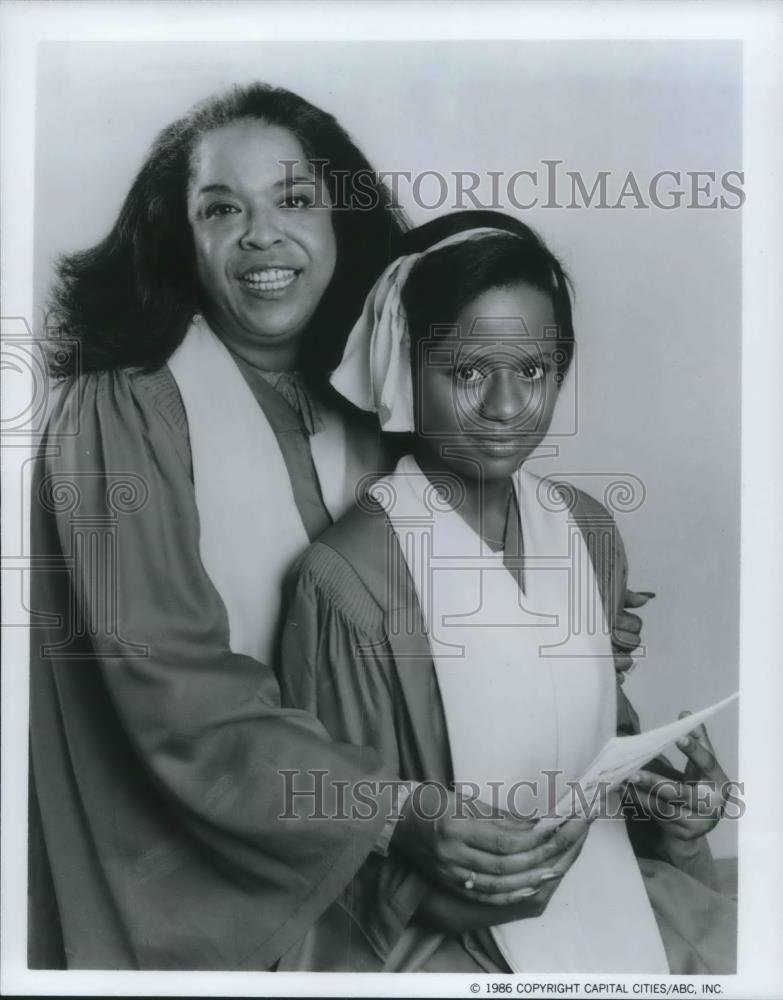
(510, 442)
(499, 449)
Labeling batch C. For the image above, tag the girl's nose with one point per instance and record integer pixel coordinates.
(262, 231)
(504, 396)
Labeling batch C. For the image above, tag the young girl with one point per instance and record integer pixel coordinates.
(455, 621)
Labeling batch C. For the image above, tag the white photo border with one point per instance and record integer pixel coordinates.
(760, 28)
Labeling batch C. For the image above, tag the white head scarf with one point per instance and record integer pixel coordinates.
(375, 371)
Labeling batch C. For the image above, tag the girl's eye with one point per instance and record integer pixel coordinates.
(220, 208)
(532, 371)
(297, 201)
(469, 373)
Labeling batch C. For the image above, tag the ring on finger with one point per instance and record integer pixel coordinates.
(470, 881)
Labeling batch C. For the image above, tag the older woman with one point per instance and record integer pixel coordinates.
(193, 454)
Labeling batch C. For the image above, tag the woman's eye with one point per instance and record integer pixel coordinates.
(532, 371)
(469, 373)
(220, 208)
(297, 201)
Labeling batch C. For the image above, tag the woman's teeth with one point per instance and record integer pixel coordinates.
(271, 279)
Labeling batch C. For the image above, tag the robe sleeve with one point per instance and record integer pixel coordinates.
(164, 763)
(336, 663)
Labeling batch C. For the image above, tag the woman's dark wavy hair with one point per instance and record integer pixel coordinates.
(129, 300)
(441, 284)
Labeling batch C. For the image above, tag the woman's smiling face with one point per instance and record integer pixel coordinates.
(485, 409)
(265, 253)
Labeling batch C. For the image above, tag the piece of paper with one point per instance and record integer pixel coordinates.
(622, 756)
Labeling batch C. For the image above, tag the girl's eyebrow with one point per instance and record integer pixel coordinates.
(501, 348)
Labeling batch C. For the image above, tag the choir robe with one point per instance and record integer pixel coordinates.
(154, 833)
(355, 653)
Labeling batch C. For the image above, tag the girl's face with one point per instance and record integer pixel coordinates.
(265, 255)
(485, 397)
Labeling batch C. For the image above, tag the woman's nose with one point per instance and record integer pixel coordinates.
(261, 232)
(504, 396)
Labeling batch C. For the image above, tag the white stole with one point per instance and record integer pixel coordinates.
(515, 705)
(250, 528)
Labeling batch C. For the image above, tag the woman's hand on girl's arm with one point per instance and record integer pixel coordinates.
(692, 807)
(626, 633)
(495, 860)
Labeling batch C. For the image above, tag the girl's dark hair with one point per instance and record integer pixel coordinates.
(441, 284)
(129, 300)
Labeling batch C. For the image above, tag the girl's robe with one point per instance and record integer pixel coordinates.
(355, 653)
